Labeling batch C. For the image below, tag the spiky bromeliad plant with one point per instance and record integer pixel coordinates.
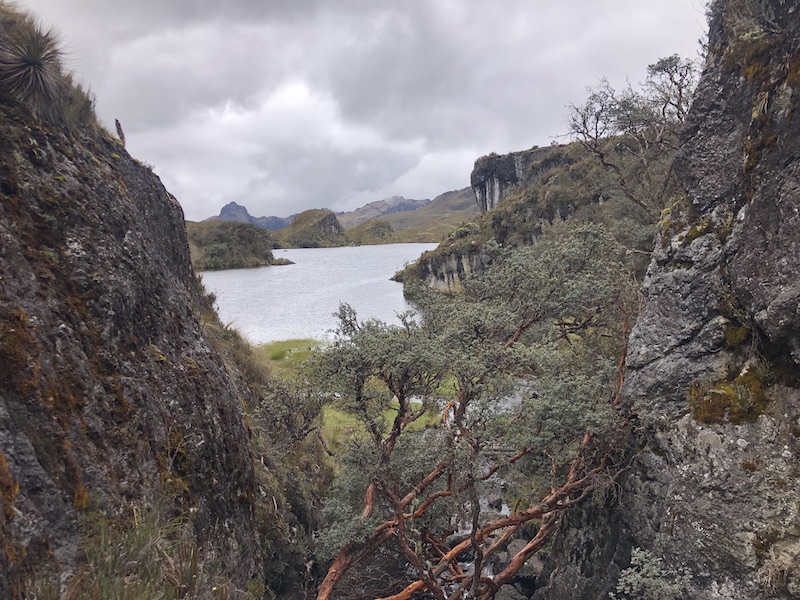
(30, 65)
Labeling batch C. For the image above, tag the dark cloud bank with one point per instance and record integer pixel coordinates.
(284, 106)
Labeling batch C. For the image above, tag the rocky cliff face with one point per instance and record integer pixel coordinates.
(713, 367)
(109, 392)
(447, 270)
(494, 174)
(516, 194)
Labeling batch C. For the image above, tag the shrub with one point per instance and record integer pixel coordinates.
(30, 66)
(31, 71)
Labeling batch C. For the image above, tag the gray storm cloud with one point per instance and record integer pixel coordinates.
(284, 106)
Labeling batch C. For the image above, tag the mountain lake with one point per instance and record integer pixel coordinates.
(282, 302)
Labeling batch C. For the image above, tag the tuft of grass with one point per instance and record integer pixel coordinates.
(150, 557)
(76, 104)
(31, 71)
(30, 66)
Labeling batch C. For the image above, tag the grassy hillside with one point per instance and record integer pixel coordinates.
(431, 223)
(380, 208)
(315, 228)
(229, 245)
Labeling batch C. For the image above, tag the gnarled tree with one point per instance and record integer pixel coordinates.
(634, 133)
(507, 388)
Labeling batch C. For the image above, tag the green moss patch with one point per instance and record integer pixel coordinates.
(739, 401)
(736, 335)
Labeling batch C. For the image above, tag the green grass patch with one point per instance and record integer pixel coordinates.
(338, 426)
(285, 357)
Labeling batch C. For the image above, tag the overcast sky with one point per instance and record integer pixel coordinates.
(285, 105)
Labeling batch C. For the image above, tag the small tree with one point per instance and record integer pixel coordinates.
(520, 371)
(634, 134)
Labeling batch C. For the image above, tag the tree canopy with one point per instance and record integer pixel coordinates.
(510, 386)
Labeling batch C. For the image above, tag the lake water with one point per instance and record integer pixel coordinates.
(298, 301)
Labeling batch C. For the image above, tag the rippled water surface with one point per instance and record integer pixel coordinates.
(298, 301)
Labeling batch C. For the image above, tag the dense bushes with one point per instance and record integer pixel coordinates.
(229, 245)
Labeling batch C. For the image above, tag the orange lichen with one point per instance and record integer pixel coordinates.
(80, 499)
(9, 489)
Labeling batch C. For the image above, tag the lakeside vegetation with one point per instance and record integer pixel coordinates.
(215, 245)
(284, 358)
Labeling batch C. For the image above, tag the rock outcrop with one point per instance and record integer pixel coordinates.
(110, 394)
(447, 270)
(517, 193)
(494, 174)
(713, 367)
(316, 228)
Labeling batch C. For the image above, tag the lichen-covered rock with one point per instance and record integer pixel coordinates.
(109, 392)
(713, 367)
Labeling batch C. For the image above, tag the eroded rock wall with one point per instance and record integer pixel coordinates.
(495, 174)
(110, 394)
(713, 368)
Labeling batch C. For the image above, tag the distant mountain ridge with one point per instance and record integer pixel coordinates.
(379, 208)
(236, 212)
(388, 221)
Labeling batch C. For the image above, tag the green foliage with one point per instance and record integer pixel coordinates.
(521, 364)
(648, 579)
(229, 245)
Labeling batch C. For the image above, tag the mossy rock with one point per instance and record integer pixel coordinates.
(735, 335)
(739, 401)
